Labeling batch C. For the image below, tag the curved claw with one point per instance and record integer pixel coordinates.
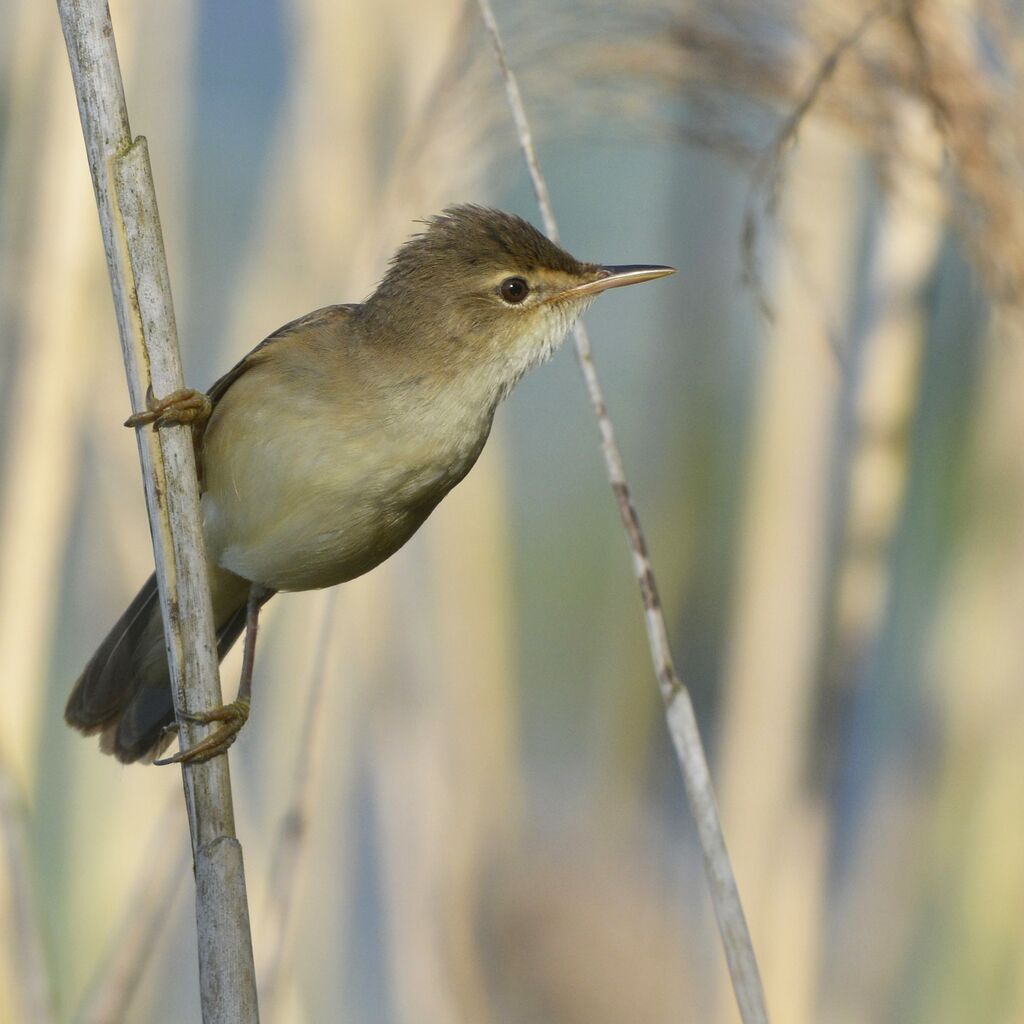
(182, 406)
(233, 716)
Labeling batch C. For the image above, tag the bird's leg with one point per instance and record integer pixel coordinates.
(234, 715)
(182, 406)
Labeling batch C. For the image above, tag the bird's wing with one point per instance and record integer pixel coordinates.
(319, 318)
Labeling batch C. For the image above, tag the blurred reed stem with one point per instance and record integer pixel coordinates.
(286, 858)
(472, 641)
(48, 394)
(778, 826)
(871, 465)
(25, 990)
(130, 949)
(973, 888)
(445, 767)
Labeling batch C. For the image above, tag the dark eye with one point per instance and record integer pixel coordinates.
(513, 289)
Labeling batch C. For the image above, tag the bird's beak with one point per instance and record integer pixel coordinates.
(616, 277)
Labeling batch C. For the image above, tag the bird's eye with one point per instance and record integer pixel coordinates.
(513, 289)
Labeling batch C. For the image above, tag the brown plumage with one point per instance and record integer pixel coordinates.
(332, 441)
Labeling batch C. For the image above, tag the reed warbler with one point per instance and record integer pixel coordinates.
(325, 449)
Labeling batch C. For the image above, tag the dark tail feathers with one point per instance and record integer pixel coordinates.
(125, 691)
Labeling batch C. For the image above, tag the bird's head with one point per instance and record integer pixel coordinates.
(484, 291)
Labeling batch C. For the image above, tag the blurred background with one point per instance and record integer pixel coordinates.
(456, 796)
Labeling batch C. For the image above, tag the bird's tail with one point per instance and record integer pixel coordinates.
(124, 693)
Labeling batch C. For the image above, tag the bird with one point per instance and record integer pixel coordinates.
(324, 449)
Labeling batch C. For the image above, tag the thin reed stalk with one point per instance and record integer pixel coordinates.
(679, 713)
(133, 243)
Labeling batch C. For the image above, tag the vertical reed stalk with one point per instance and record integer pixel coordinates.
(679, 713)
(137, 266)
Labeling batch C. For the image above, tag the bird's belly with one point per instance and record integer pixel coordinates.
(306, 488)
(321, 523)
(324, 545)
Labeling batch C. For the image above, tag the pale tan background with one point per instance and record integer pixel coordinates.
(828, 460)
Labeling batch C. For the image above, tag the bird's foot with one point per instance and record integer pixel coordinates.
(182, 406)
(232, 716)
